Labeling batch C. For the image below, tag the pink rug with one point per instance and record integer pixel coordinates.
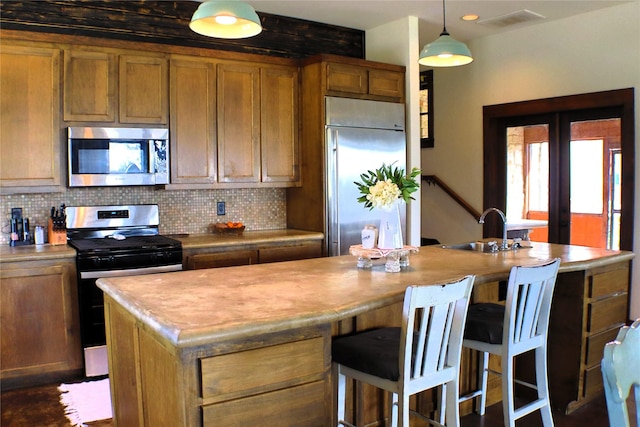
(86, 402)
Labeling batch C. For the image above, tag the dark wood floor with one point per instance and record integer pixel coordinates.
(37, 406)
(593, 414)
(40, 406)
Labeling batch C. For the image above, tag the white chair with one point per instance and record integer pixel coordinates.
(519, 326)
(621, 373)
(421, 354)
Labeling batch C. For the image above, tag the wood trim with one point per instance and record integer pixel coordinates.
(167, 22)
(494, 150)
(325, 57)
(62, 41)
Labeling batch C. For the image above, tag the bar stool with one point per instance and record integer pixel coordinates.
(621, 376)
(421, 354)
(521, 325)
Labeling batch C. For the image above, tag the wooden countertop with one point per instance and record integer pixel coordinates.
(195, 307)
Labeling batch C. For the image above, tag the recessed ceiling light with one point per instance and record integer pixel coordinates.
(470, 17)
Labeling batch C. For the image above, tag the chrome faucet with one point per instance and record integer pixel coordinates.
(505, 245)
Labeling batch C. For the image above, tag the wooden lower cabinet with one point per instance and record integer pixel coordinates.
(290, 252)
(221, 259)
(269, 380)
(40, 328)
(589, 307)
(214, 257)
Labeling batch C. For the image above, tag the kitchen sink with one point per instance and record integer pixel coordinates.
(484, 247)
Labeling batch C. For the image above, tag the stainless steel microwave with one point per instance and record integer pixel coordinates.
(117, 156)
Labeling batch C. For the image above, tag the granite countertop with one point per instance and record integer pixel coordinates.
(193, 241)
(196, 307)
(35, 252)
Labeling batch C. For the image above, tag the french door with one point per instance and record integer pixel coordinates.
(567, 162)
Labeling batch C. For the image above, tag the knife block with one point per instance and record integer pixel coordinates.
(56, 237)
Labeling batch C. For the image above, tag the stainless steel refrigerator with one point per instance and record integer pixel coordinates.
(360, 135)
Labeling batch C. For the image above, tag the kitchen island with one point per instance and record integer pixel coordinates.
(251, 345)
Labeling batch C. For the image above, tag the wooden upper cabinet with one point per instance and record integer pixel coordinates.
(29, 117)
(233, 124)
(279, 125)
(386, 83)
(193, 121)
(89, 86)
(98, 84)
(144, 89)
(238, 123)
(347, 78)
(373, 81)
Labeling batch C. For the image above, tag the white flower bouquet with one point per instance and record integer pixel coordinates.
(382, 187)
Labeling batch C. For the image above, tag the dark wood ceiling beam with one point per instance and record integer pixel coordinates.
(167, 22)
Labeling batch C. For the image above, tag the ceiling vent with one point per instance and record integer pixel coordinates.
(512, 18)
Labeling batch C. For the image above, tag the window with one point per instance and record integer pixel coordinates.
(426, 109)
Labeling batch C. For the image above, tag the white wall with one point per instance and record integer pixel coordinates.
(397, 43)
(592, 52)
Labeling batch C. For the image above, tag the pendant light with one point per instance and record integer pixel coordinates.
(445, 51)
(229, 19)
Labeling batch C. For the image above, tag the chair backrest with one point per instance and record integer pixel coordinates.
(528, 306)
(433, 321)
(621, 373)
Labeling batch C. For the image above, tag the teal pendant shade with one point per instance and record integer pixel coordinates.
(445, 52)
(226, 20)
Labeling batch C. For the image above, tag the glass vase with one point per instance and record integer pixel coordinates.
(390, 230)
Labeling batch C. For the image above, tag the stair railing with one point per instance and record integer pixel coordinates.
(434, 180)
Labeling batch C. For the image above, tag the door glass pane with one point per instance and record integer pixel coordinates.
(595, 221)
(616, 200)
(586, 177)
(538, 176)
(528, 180)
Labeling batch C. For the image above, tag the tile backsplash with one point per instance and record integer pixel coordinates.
(181, 211)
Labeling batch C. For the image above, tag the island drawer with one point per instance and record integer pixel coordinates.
(295, 406)
(608, 283)
(593, 382)
(607, 312)
(250, 372)
(596, 343)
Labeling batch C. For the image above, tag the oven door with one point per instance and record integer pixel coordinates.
(92, 323)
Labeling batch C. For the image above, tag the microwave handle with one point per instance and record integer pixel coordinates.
(152, 154)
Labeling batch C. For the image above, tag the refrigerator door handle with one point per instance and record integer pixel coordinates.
(332, 193)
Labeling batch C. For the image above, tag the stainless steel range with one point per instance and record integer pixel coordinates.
(113, 241)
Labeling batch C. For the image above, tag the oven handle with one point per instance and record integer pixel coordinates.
(129, 272)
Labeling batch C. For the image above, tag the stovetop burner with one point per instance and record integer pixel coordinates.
(122, 229)
(137, 243)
